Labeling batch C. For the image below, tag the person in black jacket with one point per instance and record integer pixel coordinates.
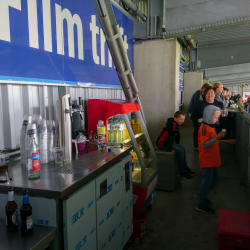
(196, 97)
(197, 113)
(168, 140)
(209, 100)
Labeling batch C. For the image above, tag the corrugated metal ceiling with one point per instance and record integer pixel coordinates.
(220, 36)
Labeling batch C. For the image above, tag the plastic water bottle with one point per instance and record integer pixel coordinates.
(101, 135)
(33, 160)
(27, 119)
(109, 130)
(113, 131)
(126, 133)
(51, 138)
(43, 140)
(35, 118)
(138, 126)
(31, 132)
(120, 132)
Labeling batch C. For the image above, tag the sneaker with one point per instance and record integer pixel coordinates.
(185, 175)
(196, 149)
(205, 209)
(207, 200)
(189, 171)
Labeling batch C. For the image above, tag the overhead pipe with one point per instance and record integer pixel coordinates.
(134, 8)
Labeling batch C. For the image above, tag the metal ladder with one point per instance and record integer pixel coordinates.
(114, 40)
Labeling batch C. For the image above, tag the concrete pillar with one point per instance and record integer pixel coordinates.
(156, 70)
(240, 90)
(192, 82)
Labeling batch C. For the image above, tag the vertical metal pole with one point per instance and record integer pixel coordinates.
(138, 113)
(131, 133)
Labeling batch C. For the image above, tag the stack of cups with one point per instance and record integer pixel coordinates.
(51, 138)
(43, 140)
(27, 119)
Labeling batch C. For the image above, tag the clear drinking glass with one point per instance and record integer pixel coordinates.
(4, 163)
(223, 112)
(58, 154)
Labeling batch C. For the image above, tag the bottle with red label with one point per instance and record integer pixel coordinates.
(26, 215)
(33, 160)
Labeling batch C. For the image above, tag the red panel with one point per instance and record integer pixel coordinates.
(103, 109)
(233, 230)
(142, 194)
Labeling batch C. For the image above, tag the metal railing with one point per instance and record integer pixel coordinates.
(243, 146)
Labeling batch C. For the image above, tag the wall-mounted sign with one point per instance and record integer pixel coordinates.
(181, 76)
(60, 42)
(246, 95)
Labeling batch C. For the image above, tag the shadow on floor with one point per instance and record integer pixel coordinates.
(174, 224)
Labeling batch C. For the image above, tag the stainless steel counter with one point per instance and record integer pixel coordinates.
(58, 184)
(40, 238)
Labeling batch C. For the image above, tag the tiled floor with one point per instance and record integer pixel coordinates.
(173, 222)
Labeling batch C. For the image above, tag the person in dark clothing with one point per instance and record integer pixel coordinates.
(196, 97)
(197, 113)
(232, 96)
(247, 105)
(169, 139)
(227, 122)
(220, 94)
(209, 100)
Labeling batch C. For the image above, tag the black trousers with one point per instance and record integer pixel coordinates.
(195, 135)
(229, 124)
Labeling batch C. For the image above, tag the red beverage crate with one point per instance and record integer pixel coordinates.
(233, 230)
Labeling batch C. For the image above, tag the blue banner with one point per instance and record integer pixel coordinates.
(181, 76)
(58, 42)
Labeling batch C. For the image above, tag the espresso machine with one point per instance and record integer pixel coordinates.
(63, 126)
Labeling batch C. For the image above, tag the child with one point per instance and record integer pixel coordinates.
(169, 139)
(209, 154)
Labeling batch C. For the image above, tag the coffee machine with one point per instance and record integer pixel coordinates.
(78, 122)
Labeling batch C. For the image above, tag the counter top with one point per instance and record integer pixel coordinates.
(40, 238)
(57, 184)
(234, 110)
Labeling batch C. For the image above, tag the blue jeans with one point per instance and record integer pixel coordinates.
(181, 155)
(211, 177)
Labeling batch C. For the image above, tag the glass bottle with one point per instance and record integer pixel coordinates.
(101, 134)
(26, 215)
(26, 120)
(11, 211)
(120, 132)
(109, 130)
(113, 131)
(33, 160)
